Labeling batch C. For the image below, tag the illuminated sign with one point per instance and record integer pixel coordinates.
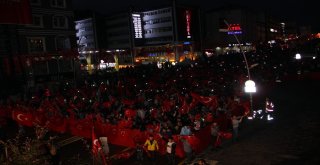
(234, 29)
(188, 23)
(137, 25)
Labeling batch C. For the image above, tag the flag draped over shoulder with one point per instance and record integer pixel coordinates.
(97, 147)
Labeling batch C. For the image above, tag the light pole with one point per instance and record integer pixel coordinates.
(249, 84)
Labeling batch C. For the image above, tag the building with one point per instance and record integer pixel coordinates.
(37, 47)
(223, 23)
(166, 34)
(171, 33)
(119, 38)
(51, 29)
(91, 38)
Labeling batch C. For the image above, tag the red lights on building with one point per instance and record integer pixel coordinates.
(234, 29)
(188, 23)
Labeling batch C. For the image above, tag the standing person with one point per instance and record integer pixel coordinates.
(187, 149)
(139, 152)
(235, 127)
(215, 135)
(53, 150)
(152, 148)
(171, 151)
(269, 109)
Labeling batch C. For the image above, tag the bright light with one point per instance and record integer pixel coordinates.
(250, 86)
(101, 61)
(313, 57)
(298, 56)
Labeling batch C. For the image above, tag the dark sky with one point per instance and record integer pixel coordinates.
(304, 12)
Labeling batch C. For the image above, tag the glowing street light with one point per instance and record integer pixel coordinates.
(298, 56)
(250, 86)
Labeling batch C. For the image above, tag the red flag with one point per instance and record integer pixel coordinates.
(15, 12)
(97, 147)
(184, 108)
(57, 124)
(23, 118)
(209, 101)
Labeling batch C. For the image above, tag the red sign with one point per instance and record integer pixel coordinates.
(188, 23)
(234, 29)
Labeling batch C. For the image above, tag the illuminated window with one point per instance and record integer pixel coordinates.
(36, 44)
(58, 3)
(60, 22)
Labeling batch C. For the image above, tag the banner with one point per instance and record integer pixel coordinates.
(15, 12)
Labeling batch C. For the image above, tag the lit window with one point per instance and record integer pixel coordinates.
(60, 22)
(58, 3)
(36, 44)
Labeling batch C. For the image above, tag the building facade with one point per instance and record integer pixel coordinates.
(37, 47)
(51, 29)
(166, 34)
(170, 33)
(222, 24)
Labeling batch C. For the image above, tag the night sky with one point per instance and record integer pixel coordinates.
(305, 12)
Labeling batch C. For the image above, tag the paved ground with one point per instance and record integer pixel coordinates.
(292, 138)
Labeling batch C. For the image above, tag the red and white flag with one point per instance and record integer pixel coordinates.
(97, 147)
(23, 118)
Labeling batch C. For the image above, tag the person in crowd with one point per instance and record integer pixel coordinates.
(235, 127)
(53, 150)
(139, 153)
(171, 151)
(269, 109)
(202, 162)
(215, 135)
(185, 130)
(187, 149)
(151, 148)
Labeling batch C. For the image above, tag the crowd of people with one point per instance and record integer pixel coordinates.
(172, 100)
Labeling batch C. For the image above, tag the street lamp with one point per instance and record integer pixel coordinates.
(250, 86)
(298, 56)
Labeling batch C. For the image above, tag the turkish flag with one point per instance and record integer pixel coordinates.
(22, 118)
(15, 12)
(80, 127)
(209, 101)
(97, 147)
(57, 124)
(184, 108)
